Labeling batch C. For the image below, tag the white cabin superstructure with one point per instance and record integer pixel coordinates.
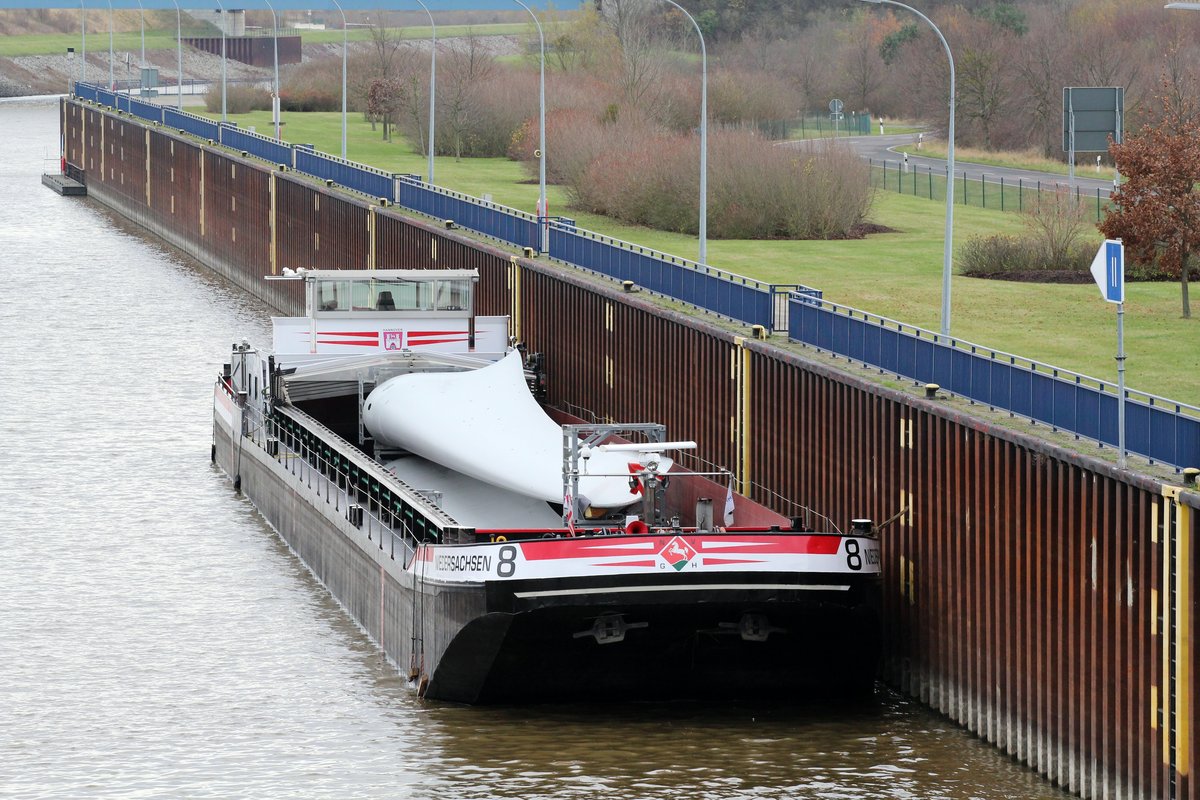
(367, 312)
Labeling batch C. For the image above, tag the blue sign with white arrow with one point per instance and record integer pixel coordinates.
(1108, 270)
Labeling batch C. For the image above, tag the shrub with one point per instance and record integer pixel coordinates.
(239, 99)
(1058, 245)
(1024, 258)
(755, 190)
(313, 86)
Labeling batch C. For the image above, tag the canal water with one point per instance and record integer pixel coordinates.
(158, 641)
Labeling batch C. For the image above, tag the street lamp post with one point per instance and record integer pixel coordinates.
(179, 52)
(432, 82)
(112, 86)
(703, 136)
(82, 42)
(543, 212)
(948, 249)
(275, 94)
(142, 16)
(142, 63)
(345, 42)
(224, 116)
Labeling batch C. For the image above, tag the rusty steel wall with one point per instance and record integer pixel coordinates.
(175, 186)
(319, 228)
(71, 116)
(1030, 594)
(237, 200)
(1041, 598)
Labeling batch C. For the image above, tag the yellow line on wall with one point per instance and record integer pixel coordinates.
(1183, 638)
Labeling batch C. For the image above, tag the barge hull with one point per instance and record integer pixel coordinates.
(361, 573)
(490, 643)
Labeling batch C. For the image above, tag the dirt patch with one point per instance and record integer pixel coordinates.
(863, 229)
(1035, 276)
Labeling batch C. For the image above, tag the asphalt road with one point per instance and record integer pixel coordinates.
(879, 148)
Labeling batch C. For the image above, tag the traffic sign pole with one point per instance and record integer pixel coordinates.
(1108, 270)
(1121, 385)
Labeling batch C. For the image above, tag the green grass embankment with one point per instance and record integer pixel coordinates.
(97, 41)
(895, 275)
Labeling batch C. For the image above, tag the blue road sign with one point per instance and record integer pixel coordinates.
(1108, 270)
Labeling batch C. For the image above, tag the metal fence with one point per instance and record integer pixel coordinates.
(190, 123)
(853, 123)
(255, 144)
(1161, 430)
(982, 192)
(492, 220)
(735, 296)
(85, 92)
(372, 182)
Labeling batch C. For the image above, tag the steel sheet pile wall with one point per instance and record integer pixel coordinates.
(237, 201)
(174, 210)
(1041, 598)
(319, 229)
(123, 158)
(71, 117)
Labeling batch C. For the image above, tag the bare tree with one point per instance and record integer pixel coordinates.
(861, 66)
(1041, 66)
(641, 53)
(413, 106)
(572, 42)
(463, 71)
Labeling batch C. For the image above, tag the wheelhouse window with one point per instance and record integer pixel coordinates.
(374, 296)
(333, 295)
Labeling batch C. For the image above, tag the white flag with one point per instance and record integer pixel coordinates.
(729, 504)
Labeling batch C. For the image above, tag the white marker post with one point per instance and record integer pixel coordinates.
(1108, 270)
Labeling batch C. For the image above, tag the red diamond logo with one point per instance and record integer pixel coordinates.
(678, 553)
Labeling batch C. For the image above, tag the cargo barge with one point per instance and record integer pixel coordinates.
(395, 441)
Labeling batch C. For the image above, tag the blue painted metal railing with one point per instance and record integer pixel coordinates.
(85, 91)
(1161, 430)
(725, 293)
(147, 111)
(197, 126)
(256, 144)
(496, 221)
(357, 177)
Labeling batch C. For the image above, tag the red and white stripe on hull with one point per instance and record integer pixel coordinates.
(693, 553)
(349, 338)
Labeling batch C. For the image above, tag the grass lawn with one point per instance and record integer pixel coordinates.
(97, 41)
(895, 275)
